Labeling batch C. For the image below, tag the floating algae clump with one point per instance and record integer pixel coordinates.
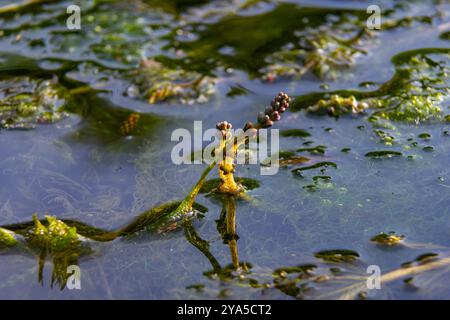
(416, 92)
(389, 239)
(25, 102)
(51, 237)
(418, 89)
(55, 236)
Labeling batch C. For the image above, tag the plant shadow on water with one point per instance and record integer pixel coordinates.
(85, 124)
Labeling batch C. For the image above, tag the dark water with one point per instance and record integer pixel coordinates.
(84, 167)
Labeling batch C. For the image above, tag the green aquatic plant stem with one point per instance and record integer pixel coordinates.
(202, 245)
(164, 215)
(151, 219)
(226, 169)
(186, 205)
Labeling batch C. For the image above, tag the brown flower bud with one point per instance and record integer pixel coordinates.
(248, 125)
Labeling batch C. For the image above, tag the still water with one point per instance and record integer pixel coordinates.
(95, 164)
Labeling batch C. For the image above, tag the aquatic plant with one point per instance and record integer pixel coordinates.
(64, 240)
(322, 52)
(55, 236)
(230, 143)
(50, 237)
(226, 226)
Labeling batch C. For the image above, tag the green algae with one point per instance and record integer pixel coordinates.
(119, 43)
(385, 137)
(445, 35)
(252, 38)
(424, 136)
(383, 154)
(237, 90)
(27, 102)
(414, 94)
(56, 239)
(300, 133)
(284, 159)
(422, 259)
(155, 82)
(388, 239)
(337, 256)
(426, 257)
(302, 270)
(7, 238)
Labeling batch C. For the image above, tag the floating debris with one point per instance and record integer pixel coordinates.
(323, 164)
(55, 236)
(314, 150)
(7, 238)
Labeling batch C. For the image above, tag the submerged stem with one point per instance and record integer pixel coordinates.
(231, 230)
